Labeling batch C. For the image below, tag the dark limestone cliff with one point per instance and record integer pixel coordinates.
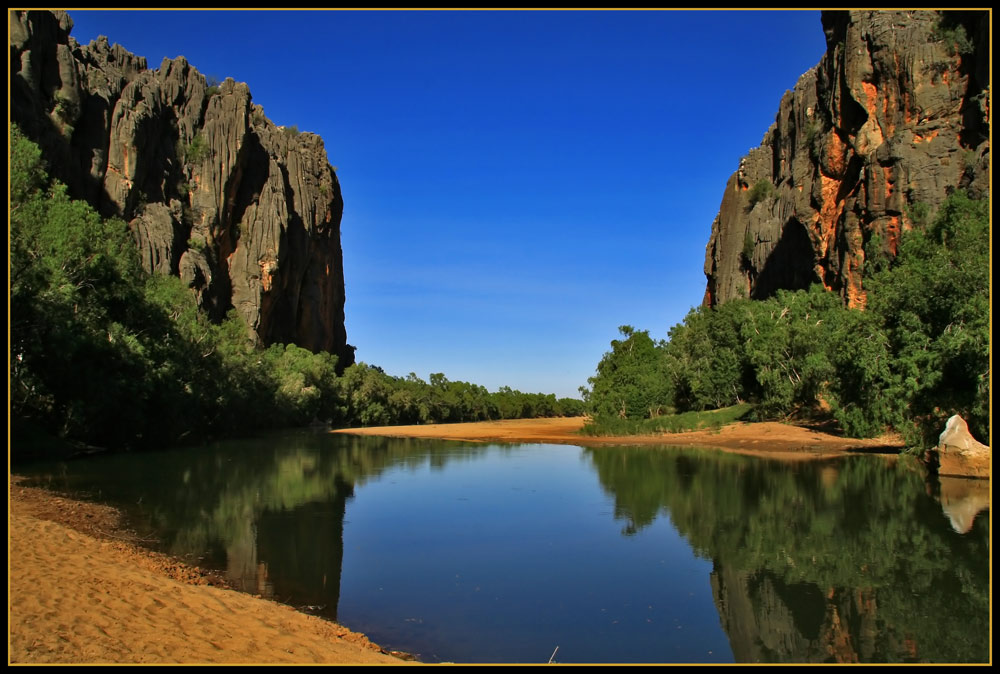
(895, 114)
(247, 213)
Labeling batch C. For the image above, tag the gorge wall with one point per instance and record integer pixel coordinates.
(868, 144)
(247, 213)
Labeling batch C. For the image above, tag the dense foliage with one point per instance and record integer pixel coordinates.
(105, 354)
(918, 353)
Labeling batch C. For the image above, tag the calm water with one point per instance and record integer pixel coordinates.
(501, 553)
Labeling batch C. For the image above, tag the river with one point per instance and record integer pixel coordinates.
(527, 553)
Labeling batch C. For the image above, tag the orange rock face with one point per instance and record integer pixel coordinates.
(889, 118)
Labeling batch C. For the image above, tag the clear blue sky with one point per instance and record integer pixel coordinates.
(517, 184)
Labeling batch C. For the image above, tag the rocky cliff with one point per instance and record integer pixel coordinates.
(868, 144)
(247, 213)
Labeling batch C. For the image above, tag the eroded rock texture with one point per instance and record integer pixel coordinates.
(895, 114)
(247, 213)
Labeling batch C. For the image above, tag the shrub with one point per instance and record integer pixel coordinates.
(813, 138)
(876, 256)
(759, 192)
(669, 423)
(811, 130)
(212, 84)
(65, 108)
(970, 160)
(919, 213)
(749, 243)
(197, 150)
(955, 37)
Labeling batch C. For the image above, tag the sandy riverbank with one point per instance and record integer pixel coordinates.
(81, 591)
(789, 441)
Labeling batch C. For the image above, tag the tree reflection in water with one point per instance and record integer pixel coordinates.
(856, 559)
(845, 560)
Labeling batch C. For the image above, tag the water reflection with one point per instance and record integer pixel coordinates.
(268, 511)
(848, 560)
(835, 561)
(961, 500)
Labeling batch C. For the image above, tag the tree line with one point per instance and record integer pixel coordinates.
(104, 354)
(918, 353)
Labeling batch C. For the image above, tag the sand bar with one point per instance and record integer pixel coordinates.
(773, 439)
(81, 592)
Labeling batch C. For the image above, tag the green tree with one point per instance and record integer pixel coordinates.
(630, 381)
(786, 345)
(934, 305)
(103, 353)
(74, 289)
(304, 382)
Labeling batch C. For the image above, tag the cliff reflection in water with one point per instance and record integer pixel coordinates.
(848, 560)
(855, 559)
(268, 511)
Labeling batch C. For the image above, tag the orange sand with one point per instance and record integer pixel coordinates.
(77, 598)
(760, 439)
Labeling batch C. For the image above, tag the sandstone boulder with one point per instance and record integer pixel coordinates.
(958, 453)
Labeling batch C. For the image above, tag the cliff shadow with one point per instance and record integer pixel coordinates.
(791, 264)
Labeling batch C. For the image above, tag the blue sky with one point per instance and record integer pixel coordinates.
(517, 184)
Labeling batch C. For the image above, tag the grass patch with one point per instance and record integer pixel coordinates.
(670, 423)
